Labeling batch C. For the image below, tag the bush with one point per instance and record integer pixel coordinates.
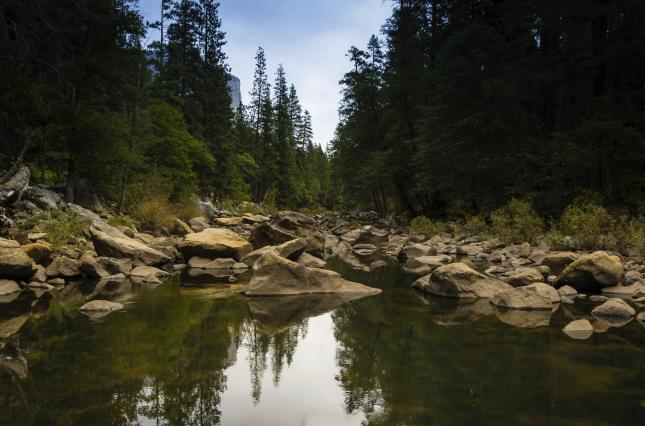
(62, 228)
(517, 222)
(636, 235)
(421, 225)
(591, 227)
(154, 211)
(474, 225)
(187, 211)
(122, 221)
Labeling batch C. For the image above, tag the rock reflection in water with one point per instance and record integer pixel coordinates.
(276, 314)
(447, 311)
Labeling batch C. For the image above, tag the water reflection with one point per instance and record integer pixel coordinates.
(208, 355)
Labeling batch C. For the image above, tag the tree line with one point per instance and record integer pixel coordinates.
(463, 104)
(102, 109)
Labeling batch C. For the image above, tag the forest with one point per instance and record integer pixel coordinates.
(466, 104)
(92, 106)
(457, 107)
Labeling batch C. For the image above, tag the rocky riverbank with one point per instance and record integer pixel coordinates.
(285, 254)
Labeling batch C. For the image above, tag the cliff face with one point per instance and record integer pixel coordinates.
(236, 92)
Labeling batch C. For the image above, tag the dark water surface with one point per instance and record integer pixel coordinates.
(192, 356)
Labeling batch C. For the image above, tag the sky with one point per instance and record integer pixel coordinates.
(309, 37)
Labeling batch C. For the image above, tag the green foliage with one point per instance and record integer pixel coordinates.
(122, 221)
(589, 224)
(62, 228)
(474, 225)
(421, 225)
(636, 235)
(517, 222)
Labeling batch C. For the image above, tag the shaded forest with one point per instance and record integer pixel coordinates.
(93, 107)
(465, 104)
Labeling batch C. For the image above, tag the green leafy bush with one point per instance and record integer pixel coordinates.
(474, 225)
(636, 235)
(517, 222)
(63, 227)
(421, 225)
(591, 227)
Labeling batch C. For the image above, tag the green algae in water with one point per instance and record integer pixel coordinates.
(209, 356)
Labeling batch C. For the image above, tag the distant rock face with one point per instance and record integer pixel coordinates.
(234, 87)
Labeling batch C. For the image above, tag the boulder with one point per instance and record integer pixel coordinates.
(199, 224)
(112, 287)
(522, 298)
(592, 272)
(277, 276)
(115, 266)
(460, 281)
(523, 276)
(43, 198)
(624, 290)
(63, 266)
(11, 189)
(149, 275)
(266, 234)
(181, 228)
(228, 221)
(524, 318)
(14, 262)
(579, 329)
(305, 259)
(84, 213)
(567, 291)
(547, 290)
(202, 263)
(40, 251)
(100, 306)
(215, 243)
(558, 261)
(290, 250)
(91, 267)
(423, 265)
(366, 235)
(614, 308)
(252, 219)
(8, 287)
(116, 244)
(412, 251)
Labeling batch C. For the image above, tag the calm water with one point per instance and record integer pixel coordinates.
(191, 356)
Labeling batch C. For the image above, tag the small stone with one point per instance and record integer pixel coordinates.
(567, 291)
(56, 281)
(36, 236)
(232, 279)
(632, 276)
(566, 300)
(641, 316)
(598, 299)
(579, 329)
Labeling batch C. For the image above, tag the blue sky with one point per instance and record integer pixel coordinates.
(310, 37)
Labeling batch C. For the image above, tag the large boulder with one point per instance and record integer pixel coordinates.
(13, 187)
(522, 298)
(547, 291)
(558, 261)
(592, 272)
(266, 234)
(63, 266)
(40, 251)
(110, 242)
(277, 276)
(523, 276)
(290, 250)
(460, 281)
(43, 198)
(614, 308)
(215, 243)
(14, 262)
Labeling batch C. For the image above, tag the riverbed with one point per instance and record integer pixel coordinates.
(208, 355)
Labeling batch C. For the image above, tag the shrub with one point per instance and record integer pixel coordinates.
(474, 225)
(188, 210)
(122, 221)
(517, 222)
(154, 211)
(62, 228)
(421, 225)
(636, 235)
(591, 227)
